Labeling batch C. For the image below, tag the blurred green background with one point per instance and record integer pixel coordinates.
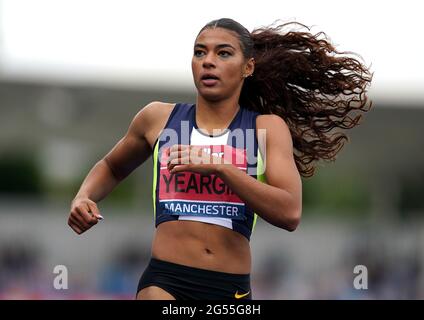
(363, 209)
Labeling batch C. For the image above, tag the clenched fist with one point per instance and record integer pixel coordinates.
(84, 214)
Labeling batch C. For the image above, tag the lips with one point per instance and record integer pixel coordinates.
(209, 79)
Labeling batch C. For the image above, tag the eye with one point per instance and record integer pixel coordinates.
(224, 54)
(198, 53)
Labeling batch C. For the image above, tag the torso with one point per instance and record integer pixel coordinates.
(202, 245)
(194, 243)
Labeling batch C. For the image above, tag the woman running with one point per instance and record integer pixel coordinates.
(266, 103)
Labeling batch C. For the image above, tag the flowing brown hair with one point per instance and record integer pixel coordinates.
(302, 78)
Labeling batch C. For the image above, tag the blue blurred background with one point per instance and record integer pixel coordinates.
(74, 73)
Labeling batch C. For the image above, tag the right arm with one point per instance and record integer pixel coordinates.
(129, 153)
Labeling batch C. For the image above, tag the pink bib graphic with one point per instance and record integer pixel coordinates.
(188, 193)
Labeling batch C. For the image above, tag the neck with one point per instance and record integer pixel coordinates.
(215, 115)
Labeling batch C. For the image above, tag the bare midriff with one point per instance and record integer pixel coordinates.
(202, 245)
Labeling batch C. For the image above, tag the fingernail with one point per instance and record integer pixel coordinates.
(100, 217)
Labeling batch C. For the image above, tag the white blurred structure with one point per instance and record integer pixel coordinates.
(146, 44)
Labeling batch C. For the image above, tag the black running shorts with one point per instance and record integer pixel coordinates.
(188, 283)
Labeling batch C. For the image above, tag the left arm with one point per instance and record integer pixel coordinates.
(279, 201)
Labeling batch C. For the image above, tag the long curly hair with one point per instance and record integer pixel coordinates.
(302, 78)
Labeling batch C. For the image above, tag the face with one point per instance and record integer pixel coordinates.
(218, 64)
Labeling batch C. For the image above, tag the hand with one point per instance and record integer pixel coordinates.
(192, 158)
(84, 214)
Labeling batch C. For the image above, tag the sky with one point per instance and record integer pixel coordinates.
(145, 44)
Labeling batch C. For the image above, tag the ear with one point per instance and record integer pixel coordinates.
(249, 67)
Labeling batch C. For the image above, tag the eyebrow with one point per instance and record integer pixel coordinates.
(219, 46)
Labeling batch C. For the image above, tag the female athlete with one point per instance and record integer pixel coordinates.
(266, 103)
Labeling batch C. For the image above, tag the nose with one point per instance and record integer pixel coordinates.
(209, 60)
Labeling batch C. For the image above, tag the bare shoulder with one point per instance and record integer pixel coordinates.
(151, 119)
(155, 111)
(159, 107)
(274, 126)
(264, 121)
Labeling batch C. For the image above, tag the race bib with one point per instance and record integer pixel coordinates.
(188, 193)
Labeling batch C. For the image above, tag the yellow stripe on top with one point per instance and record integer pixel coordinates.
(155, 167)
(261, 177)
